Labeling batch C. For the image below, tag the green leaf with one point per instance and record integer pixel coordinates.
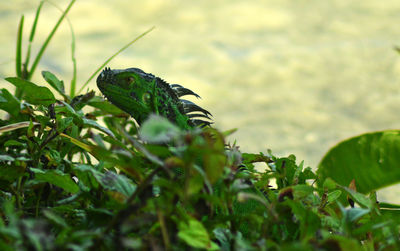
(6, 158)
(361, 199)
(64, 123)
(115, 182)
(54, 82)
(105, 106)
(13, 142)
(94, 124)
(109, 180)
(354, 214)
(34, 94)
(195, 234)
(85, 175)
(56, 178)
(329, 184)
(333, 196)
(371, 159)
(9, 103)
(302, 191)
(158, 130)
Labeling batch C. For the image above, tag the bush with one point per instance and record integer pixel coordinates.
(71, 180)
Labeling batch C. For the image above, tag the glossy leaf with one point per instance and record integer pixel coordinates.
(372, 159)
(34, 94)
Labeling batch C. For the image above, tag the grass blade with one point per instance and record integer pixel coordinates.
(73, 80)
(113, 56)
(45, 44)
(19, 45)
(32, 35)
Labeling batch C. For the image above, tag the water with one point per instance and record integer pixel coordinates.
(293, 76)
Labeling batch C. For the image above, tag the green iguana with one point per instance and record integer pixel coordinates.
(140, 94)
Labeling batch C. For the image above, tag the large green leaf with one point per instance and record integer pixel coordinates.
(109, 180)
(372, 159)
(34, 94)
(56, 178)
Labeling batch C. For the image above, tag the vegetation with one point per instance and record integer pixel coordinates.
(69, 182)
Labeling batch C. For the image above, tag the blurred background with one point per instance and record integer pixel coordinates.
(292, 76)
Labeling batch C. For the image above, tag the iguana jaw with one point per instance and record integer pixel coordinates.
(120, 95)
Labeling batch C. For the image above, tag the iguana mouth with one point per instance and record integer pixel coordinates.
(105, 77)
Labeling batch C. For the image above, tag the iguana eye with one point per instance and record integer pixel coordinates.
(131, 80)
(146, 97)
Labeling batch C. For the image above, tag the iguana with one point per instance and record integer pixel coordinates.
(140, 94)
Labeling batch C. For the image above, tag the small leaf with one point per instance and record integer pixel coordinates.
(354, 214)
(333, 196)
(302, 191)
(13, 142)
(115, 182)
(195, 234)
(64, 123)
(105, 106)
(94, 124)
(54, 82)
(109, 180)
(9, 103)
(6, 158)
(158, 130)
(34, 94)
(360, 198)
(56, 178)
(329, 184)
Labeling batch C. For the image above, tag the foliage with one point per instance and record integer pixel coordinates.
(93, 180)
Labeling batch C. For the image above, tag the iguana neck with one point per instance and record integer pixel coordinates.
(169, 105)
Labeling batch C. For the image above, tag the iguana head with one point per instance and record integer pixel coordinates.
(131, 90)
